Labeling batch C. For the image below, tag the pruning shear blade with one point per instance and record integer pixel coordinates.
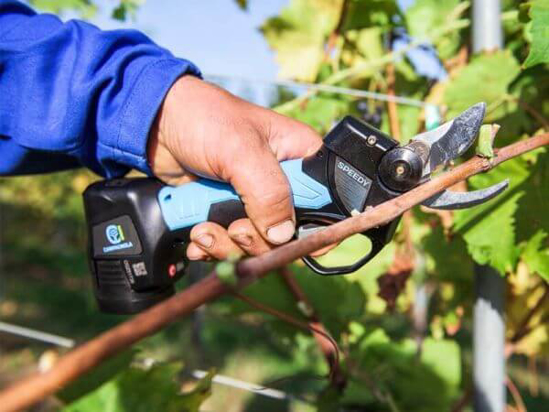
(450, 140)
(448, 200)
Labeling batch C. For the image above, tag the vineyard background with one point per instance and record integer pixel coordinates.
(403, 322)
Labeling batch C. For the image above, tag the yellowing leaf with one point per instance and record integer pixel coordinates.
(298, 36)
(536, 255)
(534, 342)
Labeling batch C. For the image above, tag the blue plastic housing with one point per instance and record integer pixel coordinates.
(189, 204)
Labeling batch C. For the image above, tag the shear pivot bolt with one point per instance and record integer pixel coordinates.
(371, 140)
(400, 170)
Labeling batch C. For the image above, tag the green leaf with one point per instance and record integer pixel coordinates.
(448, 261)
(193, 399)
(96, 377)
(536, 254)
(485, 146)
(226, 273)
(494, 72)
(371, 13)
(321, 111)
(539, 30)
(298, 35)
(125, 9)
(84, 7)
(243, 4)
(328, 400)
(322, 293)
(490, 234)
(135, 390)
(426, 384)
(533, 206)
(425, 17)
(369, 43)
(443, 356)
(489, 229)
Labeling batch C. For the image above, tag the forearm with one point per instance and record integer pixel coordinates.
(75, 95)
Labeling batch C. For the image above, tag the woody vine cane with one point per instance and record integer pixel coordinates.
(84, 358)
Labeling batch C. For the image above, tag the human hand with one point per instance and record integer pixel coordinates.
(204, 130)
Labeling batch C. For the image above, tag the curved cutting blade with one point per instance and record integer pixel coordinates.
(450, 140)
(448, 200)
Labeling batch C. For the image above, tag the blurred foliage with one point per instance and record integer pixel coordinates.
(392, 362)
(157, 389)
(122, 10)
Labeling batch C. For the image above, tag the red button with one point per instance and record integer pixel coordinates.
(172, 270)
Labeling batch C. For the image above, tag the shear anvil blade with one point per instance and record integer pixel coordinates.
(453, 138)
(448, 200)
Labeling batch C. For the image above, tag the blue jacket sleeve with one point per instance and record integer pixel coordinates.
(72, 95)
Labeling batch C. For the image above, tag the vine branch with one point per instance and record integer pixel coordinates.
(28, 391)
(329, 347)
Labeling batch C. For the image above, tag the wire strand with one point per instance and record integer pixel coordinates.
(324, 88)
(36, 335)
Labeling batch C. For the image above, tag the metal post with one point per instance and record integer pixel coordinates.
(487, 30)
(489, 341)
(489, 325)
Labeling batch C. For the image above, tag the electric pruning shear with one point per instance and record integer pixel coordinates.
(139, 227)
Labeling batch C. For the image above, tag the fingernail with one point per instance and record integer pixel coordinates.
(195, 253)
(281, 233)
(243, 240)
(205, 240)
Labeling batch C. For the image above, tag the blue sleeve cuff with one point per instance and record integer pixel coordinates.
(148, 93)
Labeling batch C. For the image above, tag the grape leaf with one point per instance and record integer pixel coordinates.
(539, 30)
(425, 384)
(448, 261)
(370, 13)
(443, 356)
(298, 35)
(369, 43)
(536, 255)
(489, 229)
(527, 98)
(96, 377)
(534, 204)
(322, 111)
(243, 4)
(427, 16)
(324, 294)
(424, 16)
(156, 388)
(494, 72)
(361, 46)
(125, 9)
(84, 7)
(493, 230)
(490, 235)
